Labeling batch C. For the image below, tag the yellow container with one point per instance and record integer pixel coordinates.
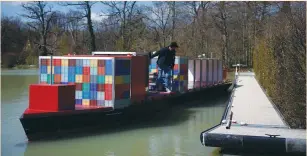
(119, 79)
(65, 62)
(93, 63)
(85, 102)
(79, 78)
(108, 79)
(49, 69)
(181, 77)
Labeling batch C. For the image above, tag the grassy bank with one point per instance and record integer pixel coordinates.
(21, 67)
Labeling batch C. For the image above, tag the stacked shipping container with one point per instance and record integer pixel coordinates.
(100, 81)
(204, 72)
(118, 81)
(180, 79)
(180, 73)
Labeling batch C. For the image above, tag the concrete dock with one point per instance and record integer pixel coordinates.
(252, 122)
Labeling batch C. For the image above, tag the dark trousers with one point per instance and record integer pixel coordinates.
(164, 76)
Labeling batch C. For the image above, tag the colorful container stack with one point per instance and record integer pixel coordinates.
(180, 79)
(204, 72)
(100, 81)
(180, 75)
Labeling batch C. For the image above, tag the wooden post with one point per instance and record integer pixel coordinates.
(229, 121)
(51, 70)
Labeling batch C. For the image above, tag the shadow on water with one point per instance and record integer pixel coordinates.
(142, 134)
(168, 117)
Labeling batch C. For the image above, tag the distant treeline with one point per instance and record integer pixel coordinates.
(226, 30)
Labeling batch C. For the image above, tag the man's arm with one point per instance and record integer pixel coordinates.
(157, 53)
(173, 60)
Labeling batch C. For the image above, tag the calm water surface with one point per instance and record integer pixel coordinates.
(178, 134)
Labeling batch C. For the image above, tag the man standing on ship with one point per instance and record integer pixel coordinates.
(165, 62)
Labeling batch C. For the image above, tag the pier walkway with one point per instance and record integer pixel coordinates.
(251, 121)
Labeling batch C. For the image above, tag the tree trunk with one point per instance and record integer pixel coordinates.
(90, 27)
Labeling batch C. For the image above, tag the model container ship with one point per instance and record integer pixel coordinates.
(105, 88)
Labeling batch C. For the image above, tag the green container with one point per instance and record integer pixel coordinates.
(101, 79)
(86, 87)
(126, 79)
(49, 77)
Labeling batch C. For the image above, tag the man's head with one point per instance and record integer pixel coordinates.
(173, 46)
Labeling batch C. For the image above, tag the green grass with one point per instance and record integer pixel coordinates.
(25, 67)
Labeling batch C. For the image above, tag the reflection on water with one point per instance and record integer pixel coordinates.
(14, 100)
(174, 134)
(150, 139)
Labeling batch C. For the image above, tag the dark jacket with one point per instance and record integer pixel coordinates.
(166, 57)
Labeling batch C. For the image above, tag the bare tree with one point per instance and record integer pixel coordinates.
(220, 19)
(128, 15)
(41, 17)
(86, 6)
(160, 20)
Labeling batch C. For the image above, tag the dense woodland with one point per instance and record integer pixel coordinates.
(269, 37)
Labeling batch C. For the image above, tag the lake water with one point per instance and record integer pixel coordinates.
(147, 139)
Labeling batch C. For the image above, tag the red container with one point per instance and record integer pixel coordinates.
(79, 86)
(176, 67)
(101, 70)
(57, 62)
(57, 78)
(139, 77)
(44, 62)
(86, 70)
(54, 97)
(71, 62)
(101, 63)
(86, 78)
(100, 87)
(108, 91)
(120, 89)
(93, 102)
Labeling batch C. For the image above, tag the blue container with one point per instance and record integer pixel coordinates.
(126, 95)
(78, 101)
(43, 77)
(71, 78)
(93, 95)
(93, 79)
(108, 67)
(85, 95)
(93, 87)
(93, 70)
(78, 94)
(79, 63)
(57, 69)
(43, 69)
(100, 103)
(79, 70)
